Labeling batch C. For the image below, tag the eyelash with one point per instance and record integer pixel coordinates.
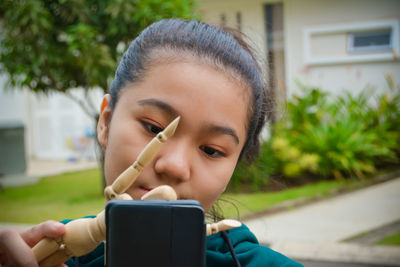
(209, 151)
(151, 128)
(212, 152)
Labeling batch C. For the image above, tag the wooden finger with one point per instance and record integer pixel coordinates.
(223, 225)
(123, 196)
(163, 192)
(128, 177)
(44, 248)
(55, 259)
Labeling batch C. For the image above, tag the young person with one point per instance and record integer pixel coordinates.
(210, 79)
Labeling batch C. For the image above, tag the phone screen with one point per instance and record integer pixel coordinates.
(155, 233)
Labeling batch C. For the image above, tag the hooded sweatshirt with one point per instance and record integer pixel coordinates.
(247, 249)
(244, 248)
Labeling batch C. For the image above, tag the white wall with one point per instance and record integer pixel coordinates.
(55, 126)
(15, 106)
(60, 126)
(353, 76)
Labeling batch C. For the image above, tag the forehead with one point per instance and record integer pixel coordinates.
(225, 80)
(168, 55)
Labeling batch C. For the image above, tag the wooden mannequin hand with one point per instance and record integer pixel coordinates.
(83, 235)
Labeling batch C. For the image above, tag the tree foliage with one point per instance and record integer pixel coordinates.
(48, 45)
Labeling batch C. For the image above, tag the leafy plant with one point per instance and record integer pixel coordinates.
(329, 136)
(346, 135)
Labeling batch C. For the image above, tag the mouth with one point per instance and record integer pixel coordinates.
(144, 190)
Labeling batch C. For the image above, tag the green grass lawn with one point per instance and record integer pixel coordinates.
(69, 195)
(77, 194)
(245, 204)
(392, 240)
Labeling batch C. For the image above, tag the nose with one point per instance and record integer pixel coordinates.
(173, 162)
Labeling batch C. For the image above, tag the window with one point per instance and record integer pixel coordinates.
(380, 40)
(355, 42)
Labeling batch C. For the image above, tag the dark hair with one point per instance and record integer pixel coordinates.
(176, 37)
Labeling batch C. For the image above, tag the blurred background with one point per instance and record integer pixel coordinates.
(328, 172)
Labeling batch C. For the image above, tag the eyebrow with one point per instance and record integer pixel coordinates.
(223, 130)
(212, 128)
(159, 104)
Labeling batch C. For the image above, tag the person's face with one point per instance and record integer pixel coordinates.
(199, 159)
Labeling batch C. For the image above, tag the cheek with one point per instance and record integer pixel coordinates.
(121, 152)
(215, 184)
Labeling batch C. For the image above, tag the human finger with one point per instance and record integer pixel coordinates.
(46, 229)
(15, 251)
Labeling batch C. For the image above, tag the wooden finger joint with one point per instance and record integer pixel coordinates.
(109, 193)
(137, 166)
(161, 137)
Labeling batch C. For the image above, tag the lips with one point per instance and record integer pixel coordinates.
(144, 190)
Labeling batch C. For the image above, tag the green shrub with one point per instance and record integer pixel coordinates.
(328, 136)
(341, 136)
(254, 177)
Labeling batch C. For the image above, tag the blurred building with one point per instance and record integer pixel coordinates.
(55, 127)
(333, 45)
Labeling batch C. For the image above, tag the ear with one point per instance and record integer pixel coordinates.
(104, 121)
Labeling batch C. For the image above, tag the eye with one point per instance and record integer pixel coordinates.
(151, 128)
(212, 152)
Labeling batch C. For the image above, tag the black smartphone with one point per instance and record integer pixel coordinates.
(155, 233)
